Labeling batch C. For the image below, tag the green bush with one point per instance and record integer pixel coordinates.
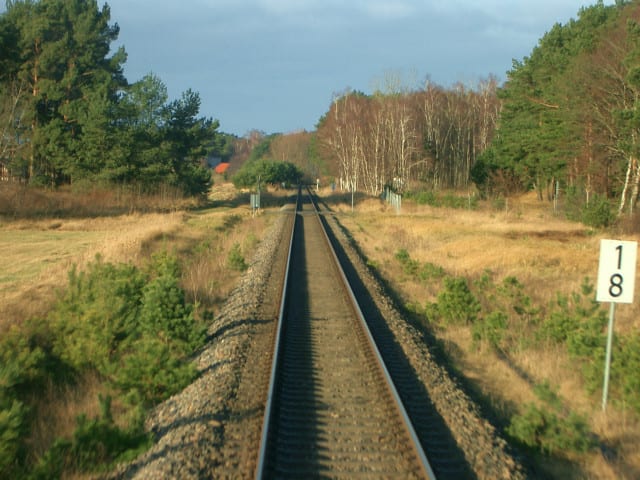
(425, 197)
(114, 318)
(578, 322)
(131, 326)
(165, 315)
(456, 303)
(491, 329)
(598, 212)
(625, 370)
(267, 172)
(96, 313)
(508, 315)
(413, 268)
(21, 359)
(550, 433)
(428, 271)
(22, 370)
(150, 372)
(409, 266)
(448, 199)
(236, 260)
(403, 256)
(550, 430)
(12, 429)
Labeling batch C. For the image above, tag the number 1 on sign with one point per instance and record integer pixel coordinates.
(617, 271)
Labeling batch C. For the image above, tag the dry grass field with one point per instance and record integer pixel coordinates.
(548, 255)
(37, 253)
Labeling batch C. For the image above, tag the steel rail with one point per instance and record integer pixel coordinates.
(276, 355)
(419, 451)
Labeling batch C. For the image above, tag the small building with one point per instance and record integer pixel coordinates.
(221, 168)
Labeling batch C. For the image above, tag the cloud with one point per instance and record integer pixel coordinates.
(271, 63)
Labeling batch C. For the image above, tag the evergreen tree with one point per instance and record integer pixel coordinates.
(553, 123)
(186, 137)
(68, 114)
(71, 82)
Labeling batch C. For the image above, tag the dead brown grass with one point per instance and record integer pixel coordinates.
(36, 255)
(19, 201)
(57, 408)
(547, 254)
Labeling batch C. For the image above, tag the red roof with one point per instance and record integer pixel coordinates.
(221, 168)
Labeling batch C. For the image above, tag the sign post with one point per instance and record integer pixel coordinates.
(616, 281)
(255, 203)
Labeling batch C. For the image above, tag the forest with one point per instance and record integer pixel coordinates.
(565, 123)
(69, 116)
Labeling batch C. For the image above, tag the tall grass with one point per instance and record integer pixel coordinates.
(19, 201)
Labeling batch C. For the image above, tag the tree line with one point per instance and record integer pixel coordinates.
(395, 137)
(570, 120)
(565, 122)
(68, 114)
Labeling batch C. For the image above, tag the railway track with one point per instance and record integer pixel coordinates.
(332, 410)
(327, 417)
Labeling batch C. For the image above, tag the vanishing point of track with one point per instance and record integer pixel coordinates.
(332, 409)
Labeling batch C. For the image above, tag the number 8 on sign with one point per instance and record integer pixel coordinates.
(617, 271)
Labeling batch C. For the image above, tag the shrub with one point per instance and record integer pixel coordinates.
(456, 303)
(21, 359)
(429, 270)
(571, 314)
(165, 315)
(411, 267)
(424, 198)
(133, 327)
(578, 322)
(98, 310)
(491, 329)
(22, 369)
(149, 372)
(625, 370)
(12, 428)
(236, 259)
(548, 429)
(449, 200)
(403, 256)
(550, 433)
(265, 171)
(598, 213)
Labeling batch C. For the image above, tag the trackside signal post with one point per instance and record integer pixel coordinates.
(616, 281)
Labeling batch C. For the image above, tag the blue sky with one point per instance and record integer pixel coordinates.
(274, 65)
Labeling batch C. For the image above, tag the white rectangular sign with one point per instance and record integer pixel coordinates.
(617, 271)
